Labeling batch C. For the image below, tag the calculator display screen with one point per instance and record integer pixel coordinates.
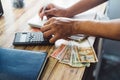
(23, 37)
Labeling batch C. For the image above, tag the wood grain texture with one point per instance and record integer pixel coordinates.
(15, 20)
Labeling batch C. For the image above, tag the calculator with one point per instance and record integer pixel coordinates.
(30, 38)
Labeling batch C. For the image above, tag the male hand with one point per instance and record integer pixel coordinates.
(59, 27)
(52, 10)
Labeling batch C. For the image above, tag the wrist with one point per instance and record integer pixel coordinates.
(87, 27)
(68, 13)
(81, 26)
(75, 27)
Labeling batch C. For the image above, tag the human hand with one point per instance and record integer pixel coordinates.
(59, 27)
(52, 10)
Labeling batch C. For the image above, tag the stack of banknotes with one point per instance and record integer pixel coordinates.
(75, 54)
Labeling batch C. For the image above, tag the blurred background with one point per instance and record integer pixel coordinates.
(108, 51)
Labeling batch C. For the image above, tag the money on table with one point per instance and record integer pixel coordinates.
(75, 54)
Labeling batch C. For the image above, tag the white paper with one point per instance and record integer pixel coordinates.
(37, 22)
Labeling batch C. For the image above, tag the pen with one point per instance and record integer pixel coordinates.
(43, 10)
(44, 7)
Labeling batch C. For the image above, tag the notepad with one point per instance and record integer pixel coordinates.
(21, 64)
(37, 22)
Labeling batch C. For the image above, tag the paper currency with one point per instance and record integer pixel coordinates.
(75, 55)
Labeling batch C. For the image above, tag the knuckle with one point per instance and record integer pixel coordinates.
(50, 4)
(45, 34)
(53, 18)
(42, 29)
(51, 40)
(53, 11)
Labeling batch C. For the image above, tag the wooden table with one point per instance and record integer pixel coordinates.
(15, 20)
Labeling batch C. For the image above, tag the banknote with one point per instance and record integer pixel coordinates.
(75, 54)
(87, 54)
(62, 53)
(66, 57)
(58, 51)
(75, 62)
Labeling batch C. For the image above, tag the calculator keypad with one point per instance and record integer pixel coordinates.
(35, 37)
(30, 38)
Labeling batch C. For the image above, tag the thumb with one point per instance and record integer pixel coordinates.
(50, 12)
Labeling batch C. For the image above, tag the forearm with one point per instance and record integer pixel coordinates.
(106, 29)
(82, 6)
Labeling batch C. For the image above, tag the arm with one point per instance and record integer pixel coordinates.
(65, 27)
(106, 29)
(83, 5)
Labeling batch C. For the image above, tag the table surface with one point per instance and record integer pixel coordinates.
(15, 20)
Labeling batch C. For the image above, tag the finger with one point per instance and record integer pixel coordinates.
(41, 13)
(53, 39)
(41, 9)
(45, 28)
(51, 20)
(48, 33)
(66, 38)
(50, 16)
(50, 12)
(50, 6)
